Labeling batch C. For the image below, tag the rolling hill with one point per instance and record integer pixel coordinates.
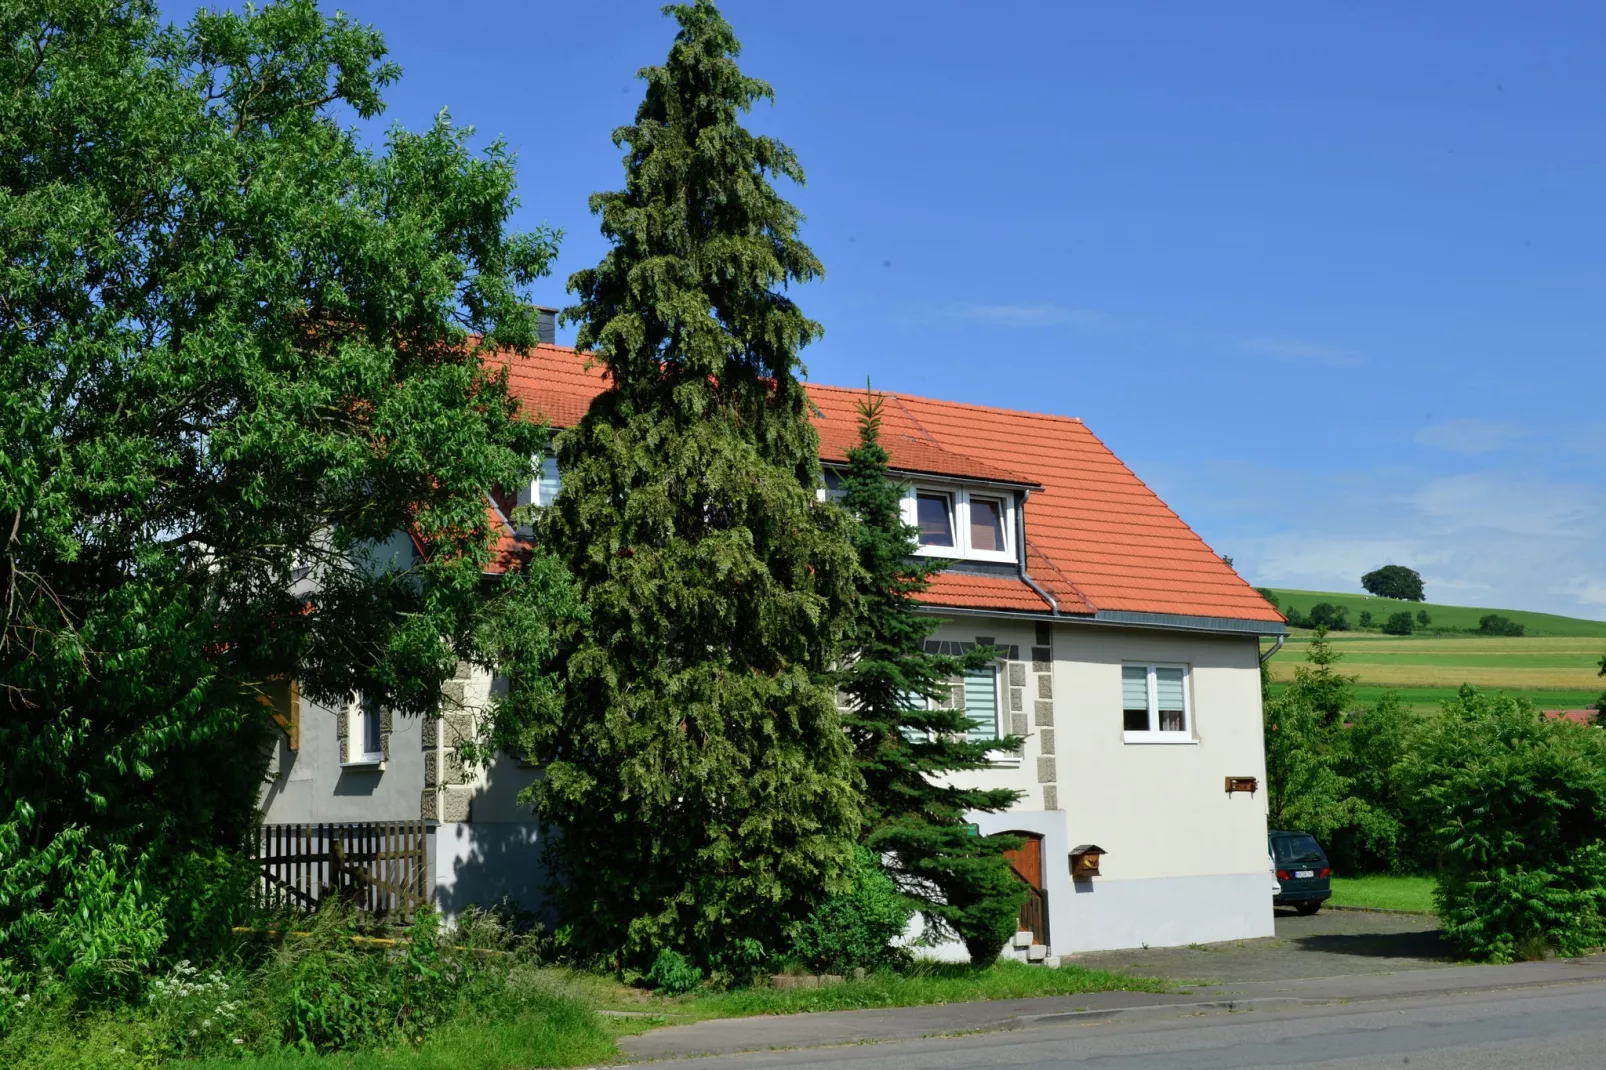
(1555, 663)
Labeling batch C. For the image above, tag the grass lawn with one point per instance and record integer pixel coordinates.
(568, 1030)
(1414, 894)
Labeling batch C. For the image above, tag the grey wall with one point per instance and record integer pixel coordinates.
(311, 786)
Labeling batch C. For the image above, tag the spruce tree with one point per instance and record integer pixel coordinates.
(905, 746)
(697, 774)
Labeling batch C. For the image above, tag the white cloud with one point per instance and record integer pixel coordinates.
(1517, 506)
(1297, 350)
(1470, 437)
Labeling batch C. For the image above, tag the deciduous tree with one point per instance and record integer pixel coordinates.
(1394, 581)
(234, 350)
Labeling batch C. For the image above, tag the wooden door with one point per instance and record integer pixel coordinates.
(1027, 864)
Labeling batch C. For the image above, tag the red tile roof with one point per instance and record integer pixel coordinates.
(1097, 538)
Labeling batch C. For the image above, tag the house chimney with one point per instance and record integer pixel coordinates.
(546, 327)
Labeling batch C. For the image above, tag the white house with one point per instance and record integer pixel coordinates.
(1131, 669)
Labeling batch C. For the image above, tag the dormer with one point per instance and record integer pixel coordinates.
(963, 521)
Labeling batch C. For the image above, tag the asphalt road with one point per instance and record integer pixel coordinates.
(1560, 1026)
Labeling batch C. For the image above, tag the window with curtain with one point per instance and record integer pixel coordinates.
(1154, 704)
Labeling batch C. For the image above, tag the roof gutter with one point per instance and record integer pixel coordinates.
(1020, 553)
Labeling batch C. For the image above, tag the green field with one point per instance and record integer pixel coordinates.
(1556, 665)
(1459, 617)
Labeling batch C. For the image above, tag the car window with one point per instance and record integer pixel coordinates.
(1297, 849)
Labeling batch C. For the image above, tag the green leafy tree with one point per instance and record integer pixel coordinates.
(1366, 618)
(1496, 624)
(907, 736)
(1268, 594)
(1306, 789)
(1326, 615)
(1394, 581)
(697, 772)
(234, 353)
(1399, 623)
(1600, 703)
(1516, 806)
(1423, 619)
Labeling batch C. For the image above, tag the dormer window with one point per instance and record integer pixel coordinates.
(960, 523)
(934, 516)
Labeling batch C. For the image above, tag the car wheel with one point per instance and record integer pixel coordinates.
(1309, 907)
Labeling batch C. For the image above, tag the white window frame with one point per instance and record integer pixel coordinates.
(960, 496)
(1154, 734)
(357, 717)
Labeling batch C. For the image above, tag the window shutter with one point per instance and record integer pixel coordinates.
(1134, 687)
(1168, 688)
(981, 703)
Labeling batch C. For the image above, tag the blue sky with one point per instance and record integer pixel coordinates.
(1331, 278)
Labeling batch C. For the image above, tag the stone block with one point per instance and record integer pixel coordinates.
(1045, 771)
(1051, 961)
(1045, 686)
(459, 728)
(343, 724)
(455, 692)
(1045, 713)
(1051, 798)
(1017, 724)
(455, 804)
(828, 979)
(1042, 659)
(1023, 938)
(789, 981)
(1017, 674)
(465, 671)
(1046, 740)
(429, 805)
(1015, 699)
(956, 697)
(387, 719)
(431, 733)
(431, 769)
(1036, 953)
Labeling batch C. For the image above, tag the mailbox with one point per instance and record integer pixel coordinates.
(1085, 861)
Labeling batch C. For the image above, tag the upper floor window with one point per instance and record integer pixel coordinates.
(544, 488)
(978, 690)
(962, 523)
(1155, 707)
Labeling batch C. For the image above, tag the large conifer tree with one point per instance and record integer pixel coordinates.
(698, 773)
(905, 745)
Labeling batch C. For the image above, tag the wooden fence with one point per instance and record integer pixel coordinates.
(376, 866)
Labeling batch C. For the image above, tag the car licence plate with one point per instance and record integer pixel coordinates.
(1304, 873)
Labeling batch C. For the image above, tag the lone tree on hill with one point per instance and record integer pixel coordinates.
(1394, 581)
(906, 732)
(697, 770)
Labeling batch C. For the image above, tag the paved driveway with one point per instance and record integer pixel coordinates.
(1331, 943)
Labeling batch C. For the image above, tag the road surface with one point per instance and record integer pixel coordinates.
(1558, 1026)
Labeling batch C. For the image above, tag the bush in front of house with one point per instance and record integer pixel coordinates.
(856, 929)
(1515, 806)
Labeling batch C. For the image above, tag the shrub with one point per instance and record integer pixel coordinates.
(1295, 617)
(1399, 623)
(1366, 618)
(673, 973)
(1394, 581)
(1495, 624)
(1516, 808)
(1265, 592)
(1327, 615)
(857, 928)
(1422, 618)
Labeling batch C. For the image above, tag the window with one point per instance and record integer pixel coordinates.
(934, 517)
(957, 523)
(1154, 704)
(987, 524)
(366, 743)
(980, 690)
(548, 482)
(981, 702)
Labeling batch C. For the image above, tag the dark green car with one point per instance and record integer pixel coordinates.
(1302, 871)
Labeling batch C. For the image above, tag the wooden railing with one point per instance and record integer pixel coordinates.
(1034, 914)
(377, 866)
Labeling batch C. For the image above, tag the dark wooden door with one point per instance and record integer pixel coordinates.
(1027, 864)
